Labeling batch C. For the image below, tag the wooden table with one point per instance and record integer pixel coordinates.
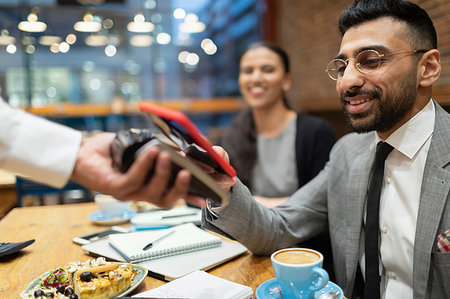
(53, 228)
(8, 195)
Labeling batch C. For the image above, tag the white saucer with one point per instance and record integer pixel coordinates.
(270, 289)
(99, 219)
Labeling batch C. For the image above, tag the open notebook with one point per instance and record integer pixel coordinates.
(174, 266)
(151, 244)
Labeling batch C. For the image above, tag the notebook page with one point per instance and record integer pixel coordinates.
(186, 237)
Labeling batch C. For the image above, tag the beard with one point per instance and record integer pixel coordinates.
(387, 110)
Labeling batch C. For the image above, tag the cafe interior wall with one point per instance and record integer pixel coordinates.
(308, 30)
(33, 76)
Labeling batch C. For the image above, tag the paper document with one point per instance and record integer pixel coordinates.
(200, 285)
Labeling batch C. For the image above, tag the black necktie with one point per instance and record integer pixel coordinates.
(372, 283)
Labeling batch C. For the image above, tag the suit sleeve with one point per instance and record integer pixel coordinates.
(263, 230)
(36, 148)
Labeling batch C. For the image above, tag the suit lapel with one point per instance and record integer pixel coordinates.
(434, 194)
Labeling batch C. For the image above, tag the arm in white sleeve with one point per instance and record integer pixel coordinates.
(37, 148)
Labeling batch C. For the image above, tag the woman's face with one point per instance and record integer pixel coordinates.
(262, 78)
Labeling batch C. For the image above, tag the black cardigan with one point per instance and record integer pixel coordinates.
(313, 141)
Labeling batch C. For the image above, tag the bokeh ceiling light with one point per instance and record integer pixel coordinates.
(192, 59)
(71, 38)
(141, 40)
(6, 39)
(140, 25)
(110, 50)
(163, 38)
(205, 42)
(191, 24)
(32, 24)
(182, 56)
(210, 49)
(96, 40)
(88, 24)
(64, 47)
(179, 13)
(48, 40)
(11, 49)
(54, 48)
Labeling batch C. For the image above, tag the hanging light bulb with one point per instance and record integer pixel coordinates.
(140, 25)
(88, 24)
(48, 40)
(6, 39)
(141, 40)
(191, 24)
(32, 24)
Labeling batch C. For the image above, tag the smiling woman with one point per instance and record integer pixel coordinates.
(274, 149)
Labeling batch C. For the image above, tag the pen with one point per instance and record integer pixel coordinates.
(149, 245)
(179, 215)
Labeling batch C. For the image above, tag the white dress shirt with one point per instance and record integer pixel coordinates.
(399, 202)
(37, 148)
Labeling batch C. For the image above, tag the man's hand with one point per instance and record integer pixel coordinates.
(94, 170)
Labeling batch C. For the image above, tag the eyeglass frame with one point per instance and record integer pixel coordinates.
(380, 56)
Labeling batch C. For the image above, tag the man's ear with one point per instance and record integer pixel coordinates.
(429, 68)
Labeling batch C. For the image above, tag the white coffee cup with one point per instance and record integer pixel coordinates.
(109, 207)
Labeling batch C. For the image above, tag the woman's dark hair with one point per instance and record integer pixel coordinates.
(421, 32)
(240, 139)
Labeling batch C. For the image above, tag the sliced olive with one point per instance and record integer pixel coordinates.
(68, 291)
(60, 288)
(39, 293)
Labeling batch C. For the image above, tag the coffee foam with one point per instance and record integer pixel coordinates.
(297, 257)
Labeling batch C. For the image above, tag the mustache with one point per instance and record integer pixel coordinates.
(363, 91)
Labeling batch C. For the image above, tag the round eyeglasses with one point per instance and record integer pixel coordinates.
(366, 62)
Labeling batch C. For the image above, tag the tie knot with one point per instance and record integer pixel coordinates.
(383, 150)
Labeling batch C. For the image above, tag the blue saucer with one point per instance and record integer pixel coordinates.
(270, 289)
(98, 218)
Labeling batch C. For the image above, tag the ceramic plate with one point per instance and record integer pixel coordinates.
(271, 290)
(98, 218)
(139, 277)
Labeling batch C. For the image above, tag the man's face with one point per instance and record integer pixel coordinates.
(382, 100)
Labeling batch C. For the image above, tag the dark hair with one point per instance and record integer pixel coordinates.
(240, 139)
(422, 33)
(274, 48)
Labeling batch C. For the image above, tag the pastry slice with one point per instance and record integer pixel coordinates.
(106, 281)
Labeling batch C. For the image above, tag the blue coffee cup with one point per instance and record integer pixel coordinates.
(299, 272)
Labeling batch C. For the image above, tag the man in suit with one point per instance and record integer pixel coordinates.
(384, 72)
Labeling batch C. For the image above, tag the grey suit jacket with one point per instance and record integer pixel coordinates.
(335, 199)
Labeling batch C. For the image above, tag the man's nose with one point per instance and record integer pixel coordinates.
(351, 78)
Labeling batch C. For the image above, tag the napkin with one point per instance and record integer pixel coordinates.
(443, 241)
(200, 285)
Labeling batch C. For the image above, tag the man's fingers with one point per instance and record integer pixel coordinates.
(135, 177)
(220, 150)
(179, 189)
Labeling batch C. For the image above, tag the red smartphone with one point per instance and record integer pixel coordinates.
(180, 129)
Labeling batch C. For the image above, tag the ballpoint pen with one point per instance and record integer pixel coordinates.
(149, 245)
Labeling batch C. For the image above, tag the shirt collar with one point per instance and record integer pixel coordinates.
(409, 138)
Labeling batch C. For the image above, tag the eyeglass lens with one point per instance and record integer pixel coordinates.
(365, 62)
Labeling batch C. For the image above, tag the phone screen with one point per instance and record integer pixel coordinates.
(98, 235)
